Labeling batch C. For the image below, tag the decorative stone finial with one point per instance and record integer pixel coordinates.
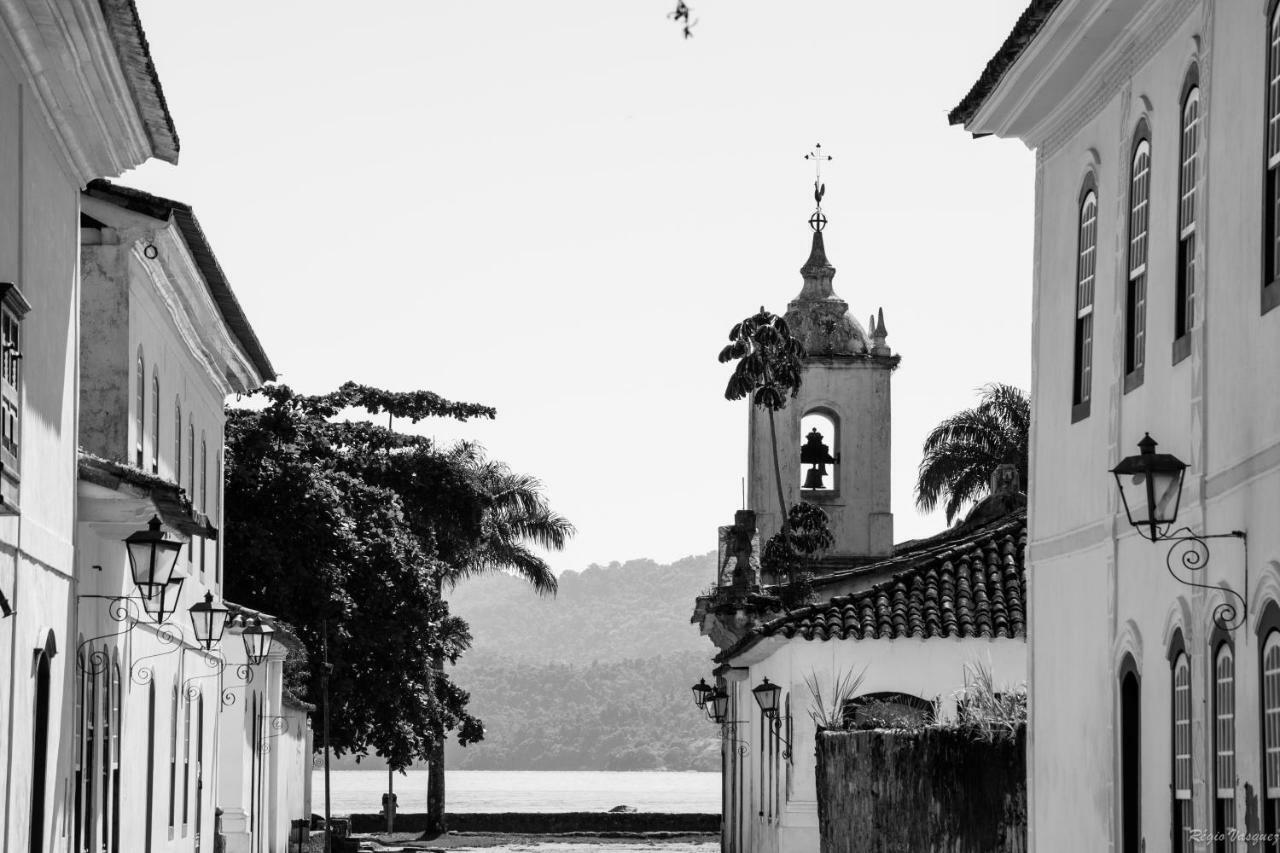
(878, 335)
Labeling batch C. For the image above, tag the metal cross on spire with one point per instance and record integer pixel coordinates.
(818, 220)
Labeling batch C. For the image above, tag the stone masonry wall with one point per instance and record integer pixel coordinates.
(931, 791)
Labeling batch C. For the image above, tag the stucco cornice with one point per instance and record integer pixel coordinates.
(71, 63)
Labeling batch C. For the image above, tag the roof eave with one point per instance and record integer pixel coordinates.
(134, 53)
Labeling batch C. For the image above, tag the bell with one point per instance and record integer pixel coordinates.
(815, 476)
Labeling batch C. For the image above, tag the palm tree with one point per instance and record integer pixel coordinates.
(517, 519)
(962, 452)
(769, 371)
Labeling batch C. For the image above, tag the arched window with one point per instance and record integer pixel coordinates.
(155, 423)
(819, 452)
(204, 491)
(39, 754)
(1224, 744)
(1135, 337)
(151, 766)
(1271, 235)
(108, 735)
(1271, 733)
(186, 765)
(1130, 758)
(191, 484)
(217, 497)
(1086, 271)
(116, 725)
(177, 441)
(199, 764)
(191, 459)
(140, 410)
(90, 757)
(887, 711)
(173, 758)
(78, 746)
(1184, 317)
(1181, 771)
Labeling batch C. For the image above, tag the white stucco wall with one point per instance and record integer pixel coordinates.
(38, 208)
(927, 669)
(1097, 591)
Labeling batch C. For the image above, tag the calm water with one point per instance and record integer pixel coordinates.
(524, 791)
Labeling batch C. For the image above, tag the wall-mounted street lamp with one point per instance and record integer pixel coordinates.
(257, 641)
(208, 621)
(152, 558)
(702, 692)
(162, 603)
(767, 696)
(1150, 486)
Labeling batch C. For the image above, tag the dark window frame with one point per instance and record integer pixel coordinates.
(1270, 248)
(1083, 315)
(1129, 684)
(1182, 800)
(1137, 271)
(1268, 626)
(1188, 215)
(1223, 822)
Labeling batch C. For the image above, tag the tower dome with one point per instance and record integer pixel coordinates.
(819, 318)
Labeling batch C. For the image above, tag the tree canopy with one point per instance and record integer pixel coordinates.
(961, 453)
(346, 528)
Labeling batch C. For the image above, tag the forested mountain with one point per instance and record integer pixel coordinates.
(596, 678)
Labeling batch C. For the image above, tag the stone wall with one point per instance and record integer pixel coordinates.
(548, 822)
(910, 792)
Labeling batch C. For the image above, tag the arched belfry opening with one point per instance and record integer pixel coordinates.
(820, 453)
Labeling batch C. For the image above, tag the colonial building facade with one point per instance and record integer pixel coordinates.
(913, 620)
(79, 99)
(1155, 705)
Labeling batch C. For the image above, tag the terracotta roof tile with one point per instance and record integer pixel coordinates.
(973, 588)
(1024, 31)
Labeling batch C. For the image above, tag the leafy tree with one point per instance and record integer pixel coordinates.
(339, 527)
(517, 516)
(768, 371)
(788, 552)
(962, 452)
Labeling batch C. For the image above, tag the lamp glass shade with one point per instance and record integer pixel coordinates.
(257, 641)
(162, 601)
(719, 705)
(767, 697)
(208, 620)
(702, 692)
(1150, 486)
(152, 557)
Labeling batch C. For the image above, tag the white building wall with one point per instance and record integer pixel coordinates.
(1098, 591)
(38, 208)
(928, 669)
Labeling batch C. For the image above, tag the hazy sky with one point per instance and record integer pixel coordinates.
(560, 208)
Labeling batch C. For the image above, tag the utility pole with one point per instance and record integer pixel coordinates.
(324, 693)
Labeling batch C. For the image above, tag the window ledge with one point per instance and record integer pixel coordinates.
(1181, 347)
(1270, 295)
(1133, 380)
(1080, 411)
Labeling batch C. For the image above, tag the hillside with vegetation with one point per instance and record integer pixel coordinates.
(596, 678)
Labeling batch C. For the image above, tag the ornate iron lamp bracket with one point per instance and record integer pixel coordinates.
(1190, 550)
(214, 662)
(278, 725)
(244, 673)
(168, 634)
(121, 611)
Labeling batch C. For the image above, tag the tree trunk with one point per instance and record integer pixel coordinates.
(777, 471)
(435, 772)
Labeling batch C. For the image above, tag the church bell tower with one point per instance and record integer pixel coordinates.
(834, 436)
